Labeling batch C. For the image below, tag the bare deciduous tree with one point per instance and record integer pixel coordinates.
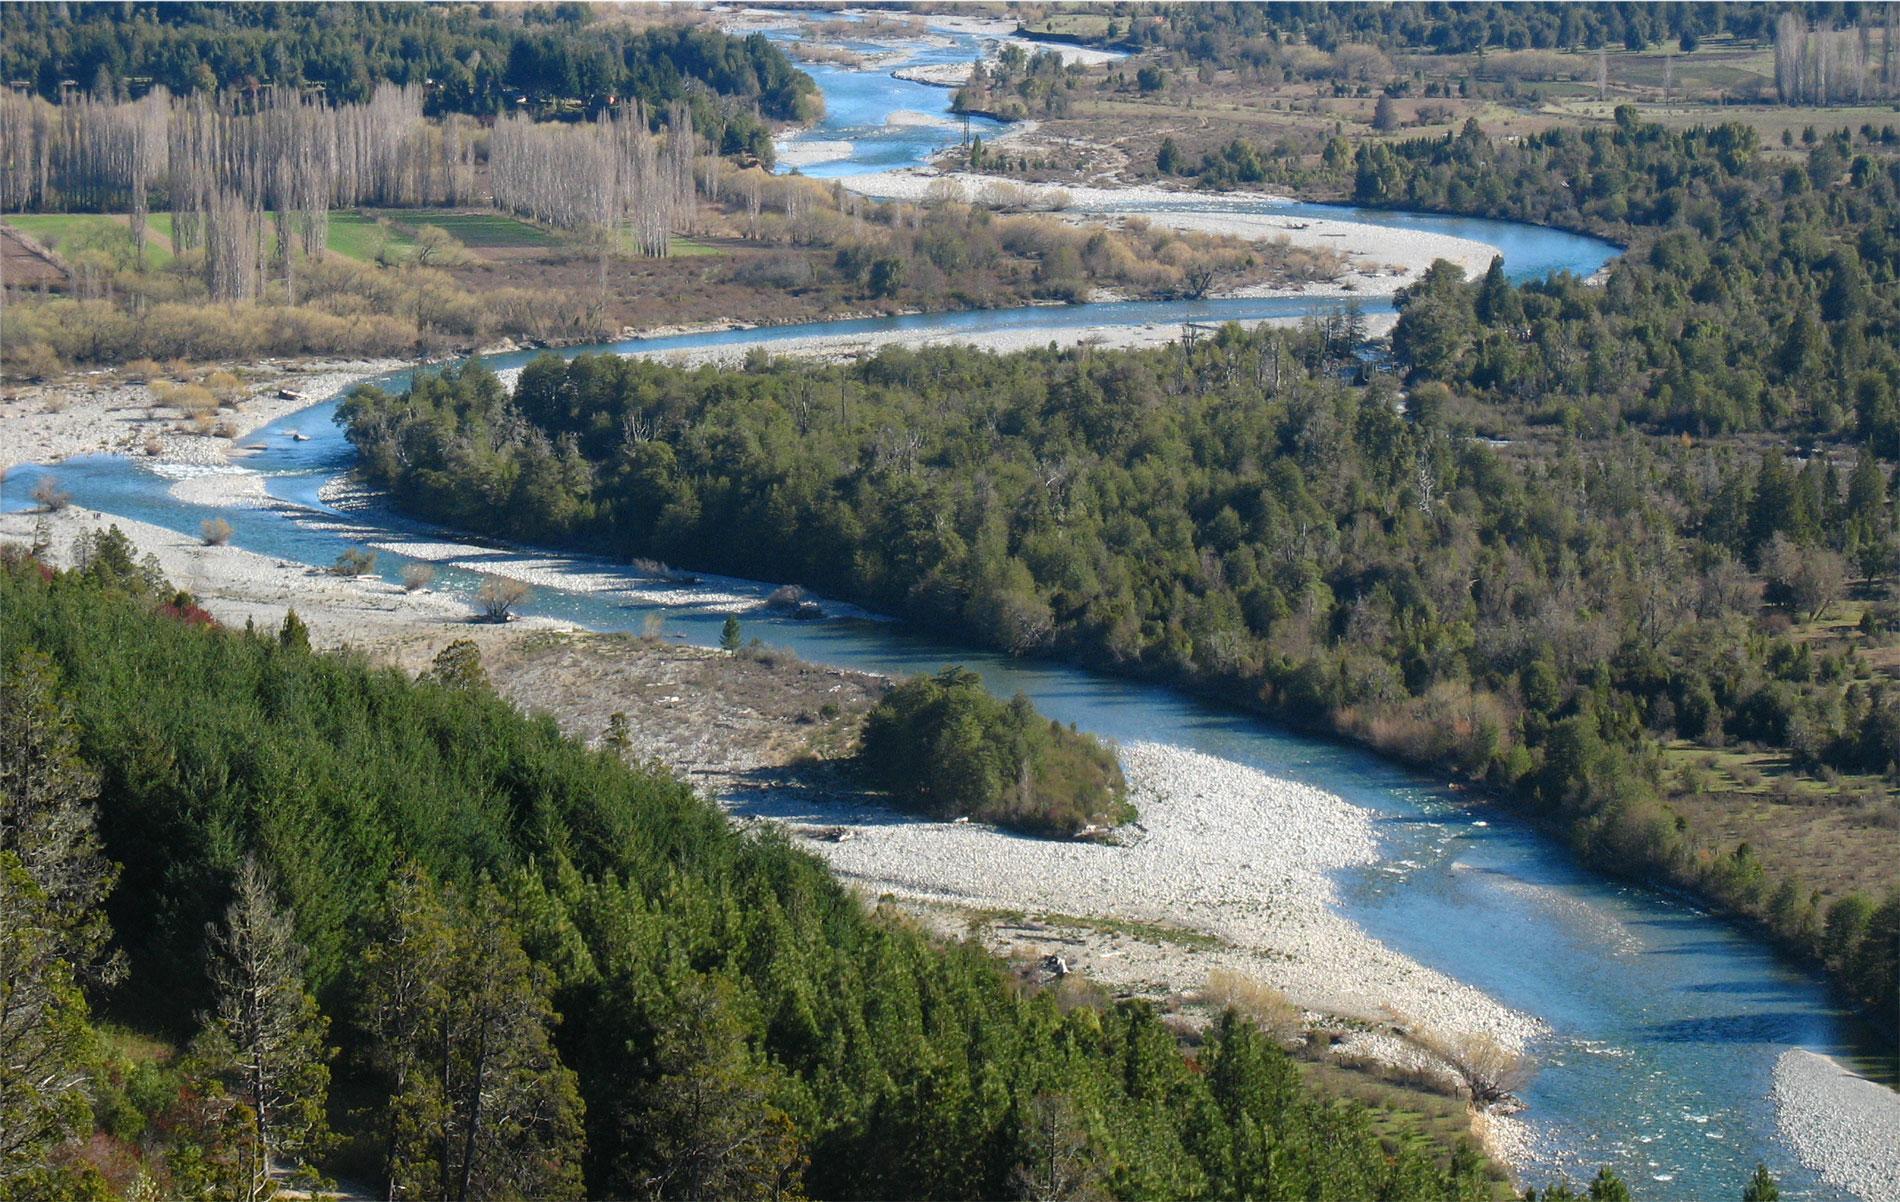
(1059, 1163)
(1488, 1071)
(499, 595)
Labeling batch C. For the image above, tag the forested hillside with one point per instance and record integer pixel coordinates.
(397, 931)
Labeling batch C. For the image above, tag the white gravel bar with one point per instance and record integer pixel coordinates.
(1844, 1127)
(1221, 850)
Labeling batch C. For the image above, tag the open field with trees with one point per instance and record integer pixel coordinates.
(374, 229)
(1255, 95)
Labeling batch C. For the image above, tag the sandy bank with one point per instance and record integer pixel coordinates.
(794, 153)
(1384, 259)
(1844, 1127)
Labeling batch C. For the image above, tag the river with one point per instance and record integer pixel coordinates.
(1665, 1022)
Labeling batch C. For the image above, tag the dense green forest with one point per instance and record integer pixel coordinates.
(943, 744)
(516, 967)
(1760, 293)
(472, 58)
(1237, 517)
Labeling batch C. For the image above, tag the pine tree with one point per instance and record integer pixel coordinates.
(729, 634)
(44, 1040)
(404, 979)
(267, 1032)
(1606, 1186)
(1385, 116)
(1762, 1187)
(1168, 158)
(53, 932)
(708, 1123)
(47, 820)
(294, 636)
(481, 1105)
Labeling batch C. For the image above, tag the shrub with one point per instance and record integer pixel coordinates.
(217, 532)
(1270, 1009)
(355, 561)
(944, 745)
(1489, 1071)
(785, 596)
(224, 387)
(51, 497)
(193, 400)
(499, 595)
(416, 577)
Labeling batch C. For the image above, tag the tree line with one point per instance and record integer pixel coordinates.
(472, 59)
(1828, 65)
(1232, 35)
(400, 932)
(1758, 293)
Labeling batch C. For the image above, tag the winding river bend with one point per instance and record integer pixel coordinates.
(1665, 1022)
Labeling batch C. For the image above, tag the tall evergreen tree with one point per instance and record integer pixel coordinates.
(53, 932)
(708, 1122)
(47, 819)
(481, 1105)
(267, 1033)
(44, 1039)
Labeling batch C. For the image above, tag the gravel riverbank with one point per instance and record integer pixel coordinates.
(98, 411)
(1228, 867)
(1383, 258)
(1844, 1127)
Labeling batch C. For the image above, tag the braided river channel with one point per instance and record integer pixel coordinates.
(1664, 1022)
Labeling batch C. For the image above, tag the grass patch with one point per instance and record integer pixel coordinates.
(1401, 1115)
(677, 247)
(1076, 25)
(358, 236)
(68, 234)
(478, 231)
(1153, 932)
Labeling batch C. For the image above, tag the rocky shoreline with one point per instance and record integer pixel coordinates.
(1843, 1126)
